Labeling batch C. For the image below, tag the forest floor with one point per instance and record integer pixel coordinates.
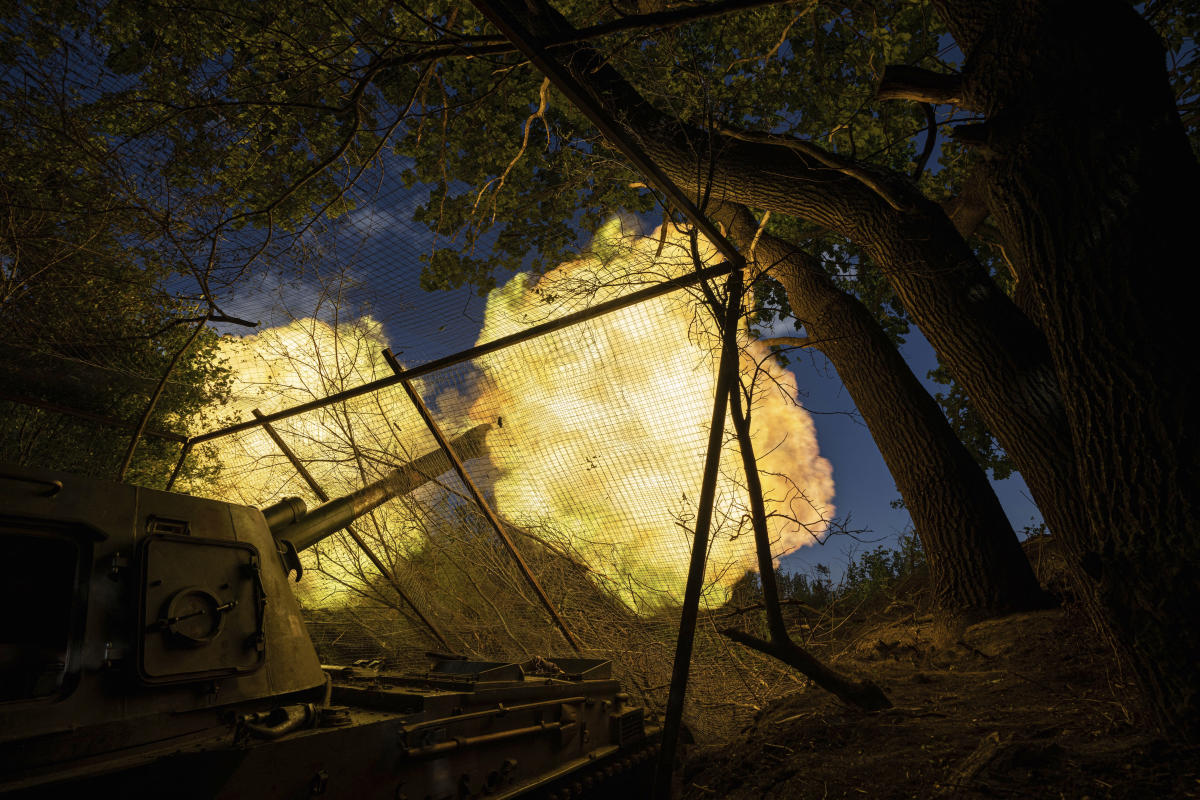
(1026, 706)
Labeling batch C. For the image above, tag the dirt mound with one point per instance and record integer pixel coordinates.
(1029, 705)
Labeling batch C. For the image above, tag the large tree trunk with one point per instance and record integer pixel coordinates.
(1095, 190)
(977, 567)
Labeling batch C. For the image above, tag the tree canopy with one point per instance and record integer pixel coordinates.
(87, 321)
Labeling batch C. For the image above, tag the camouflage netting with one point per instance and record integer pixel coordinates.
(596, 433)
(595, 441)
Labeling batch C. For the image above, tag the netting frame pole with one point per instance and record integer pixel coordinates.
(565, 321)
(491, 516)
(183, 454)
(323, 496)
(727, 371)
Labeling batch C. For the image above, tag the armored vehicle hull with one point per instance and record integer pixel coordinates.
(156, 649)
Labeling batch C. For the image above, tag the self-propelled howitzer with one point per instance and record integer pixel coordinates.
(152, 646)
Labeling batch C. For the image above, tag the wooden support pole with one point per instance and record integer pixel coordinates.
(183, 454)
(358, 540)
(727, 370)
(471, 353)
(479, 499)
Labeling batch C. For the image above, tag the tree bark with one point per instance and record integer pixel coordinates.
(1091, 179)
(977, 567)
(922, 85)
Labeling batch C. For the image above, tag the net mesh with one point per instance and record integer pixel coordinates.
(595, 434)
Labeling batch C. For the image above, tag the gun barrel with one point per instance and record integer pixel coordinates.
(306, 529)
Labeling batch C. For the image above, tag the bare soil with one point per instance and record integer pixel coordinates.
(1025, 706)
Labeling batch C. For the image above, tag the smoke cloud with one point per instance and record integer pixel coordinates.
(606, 428)
(598, 431)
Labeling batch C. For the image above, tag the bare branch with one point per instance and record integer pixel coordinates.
(158, 390)
(863, 694)
(789, 341)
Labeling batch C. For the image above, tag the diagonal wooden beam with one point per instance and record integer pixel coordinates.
(479, 499)
(358, 540)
